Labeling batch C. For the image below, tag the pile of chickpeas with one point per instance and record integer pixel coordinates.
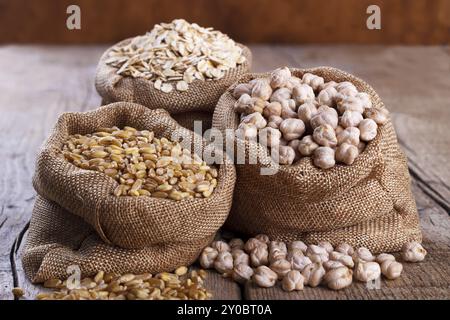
(307, 117)
(295, 264)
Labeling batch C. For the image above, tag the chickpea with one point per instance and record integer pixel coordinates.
(220, 246)
(242, 105)
(347, 89)
(289, 103)
(338, 278)
(343, 258)
(252, 243)
(367, 271)
(313, 80)
(259, 256)
(365, 99)
(280, 94)
(351, 104)
(280, 77)
(264, 277)
(224, 262)
(236, 243)
(391, 269)
(299, 262)
(261, 89)
(307, 146)
(324, 157)
(325, 135)
(292, 129)
(363, 254)
(346, 153)
(298, 245)
(208, 257)
(368, 129)
(413, 252)
(331, 264)
(345, 248)
(277, 250)
(379, 115)
(285, 154)
(328, 85)
(242, 273)
(255, 119)
(349, 135)
(350, 119)
(317, 253)
(263, 238)
(327, 96)
(281, 267)
(272, 109)
(274, 122)
(293, 82)
(287, 113)
(313, 274)
(306, 111)
(382, 257)
(293, 280)
(303, 94)
(326, 245)
(325, 115)
(242, 88)
(239, 257)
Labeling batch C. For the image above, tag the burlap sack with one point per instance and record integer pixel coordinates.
(57, 239)
(366, 204)
(129, 222)
(202, 95)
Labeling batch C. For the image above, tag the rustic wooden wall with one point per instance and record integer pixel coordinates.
(282, 21)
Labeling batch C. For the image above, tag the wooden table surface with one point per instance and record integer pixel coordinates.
(38, 83)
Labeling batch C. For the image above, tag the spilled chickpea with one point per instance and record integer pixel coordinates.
(295, 265)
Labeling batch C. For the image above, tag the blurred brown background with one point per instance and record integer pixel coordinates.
(270, 21)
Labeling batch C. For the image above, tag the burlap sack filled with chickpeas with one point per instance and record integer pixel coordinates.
(83, 216)
(357, 194)
(128, 71)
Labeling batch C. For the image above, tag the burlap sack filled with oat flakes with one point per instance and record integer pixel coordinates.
(197, 103)
(126, 221)
(368, 203)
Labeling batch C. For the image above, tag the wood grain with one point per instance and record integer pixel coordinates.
(288, 21)
(50, 80)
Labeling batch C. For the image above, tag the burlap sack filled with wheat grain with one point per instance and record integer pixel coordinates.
(128, 222)
(366, 204)
(57, 239)
(197, 103)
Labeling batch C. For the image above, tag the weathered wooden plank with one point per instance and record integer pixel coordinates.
(222, 288)
(426, 143)
(38, 84)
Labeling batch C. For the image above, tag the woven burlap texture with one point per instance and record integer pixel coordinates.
(128, 222)
(366, 204)
(202, 95)
(57, 239)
